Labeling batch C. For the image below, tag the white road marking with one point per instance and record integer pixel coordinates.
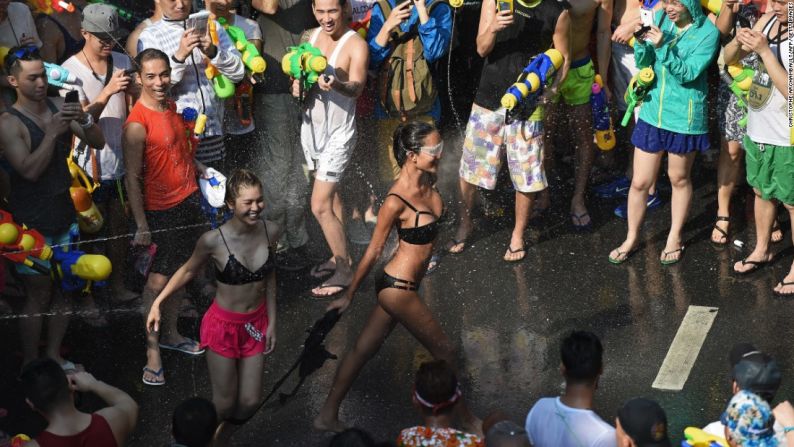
(685, 348)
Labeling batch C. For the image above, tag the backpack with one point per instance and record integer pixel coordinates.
(405, 83)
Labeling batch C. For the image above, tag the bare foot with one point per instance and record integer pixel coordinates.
(334, 425)
(777, 232)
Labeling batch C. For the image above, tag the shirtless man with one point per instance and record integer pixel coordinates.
(328, 132)
(575, 93)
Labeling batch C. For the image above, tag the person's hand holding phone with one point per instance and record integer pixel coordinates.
(119, 82)
(187, 43)
(501, 20)
(398, 15)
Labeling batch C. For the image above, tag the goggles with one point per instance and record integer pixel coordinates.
(433, 151)
(21, 54)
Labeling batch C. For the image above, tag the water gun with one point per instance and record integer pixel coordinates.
(602, 122)
(636, 91)
(88, 216)
(60, 77)
(19, 440)
(48, 7)
(194, 125)
(20, 245)
(739, 80)
(251, 57)
(220, 83)
(695, 437)
(243, 102)
(305, 63)
(533, 77)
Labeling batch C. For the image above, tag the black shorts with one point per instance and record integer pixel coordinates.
(183, 225)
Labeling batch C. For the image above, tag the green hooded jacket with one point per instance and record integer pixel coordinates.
(677, 100)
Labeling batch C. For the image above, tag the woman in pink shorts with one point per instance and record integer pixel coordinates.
(240, 325)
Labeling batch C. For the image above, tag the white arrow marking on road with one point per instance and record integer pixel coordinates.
(685, 348)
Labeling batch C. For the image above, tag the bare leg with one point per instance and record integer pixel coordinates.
(378, 326)
(467, 191)
(788, 289)
(523, 206)
(730, 162)
(585, 154)
(646, 167)
(325, 203)
(246, 395)
(39, 297)
(764, 211)
(117, 249)
(678, 170)
(154, 285)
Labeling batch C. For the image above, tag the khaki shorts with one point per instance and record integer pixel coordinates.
(487, 136)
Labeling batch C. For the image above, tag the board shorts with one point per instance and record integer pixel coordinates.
(578, 85)
(60, 241)
(175, 244)
(487, 135)
(234, 335)
(769, 170)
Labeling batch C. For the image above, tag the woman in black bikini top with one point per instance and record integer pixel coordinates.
(412, 205)
(240, 325)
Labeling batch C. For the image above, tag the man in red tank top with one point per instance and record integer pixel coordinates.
(163, 196)
(50, 393)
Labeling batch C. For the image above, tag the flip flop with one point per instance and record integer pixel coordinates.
(158, 373)
(70, 367)
(319, 272)
(455, 243)
(785, 295)
(628, 254)
(433, 264)
(512, 252)
(756, 265)
(181, 347)
(673, 261)
(724, 233)
(342, 288)
(579, 218)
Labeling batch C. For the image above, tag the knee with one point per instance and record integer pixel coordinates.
(320, 208)
(678, 181)
(225, 407)
(640, 184)
(246, 406)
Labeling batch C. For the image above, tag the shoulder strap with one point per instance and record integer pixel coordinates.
(314, 36)
(404, 201)
(267, 235)
(339, 45)
(224, 240)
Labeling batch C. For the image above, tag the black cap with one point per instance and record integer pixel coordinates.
(645, 422)
(739, 350)
(758, 373)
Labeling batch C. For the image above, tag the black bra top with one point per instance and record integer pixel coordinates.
(417, 235)
(235, 273)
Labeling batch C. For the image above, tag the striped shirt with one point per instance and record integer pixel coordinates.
(190, 87)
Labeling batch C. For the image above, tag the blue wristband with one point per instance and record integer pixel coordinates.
(788, 429)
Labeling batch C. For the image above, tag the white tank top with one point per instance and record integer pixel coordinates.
(767, 118)
(330, 117)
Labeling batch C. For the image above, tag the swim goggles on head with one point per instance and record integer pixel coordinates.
(433, 151)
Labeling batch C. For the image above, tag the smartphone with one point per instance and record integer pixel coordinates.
(641, 32)
(198, 21)
(646, 16)
(506, 5)
(130, 72)
(72, 96)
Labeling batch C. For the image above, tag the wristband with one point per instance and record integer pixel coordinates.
(173, 58)
(788, 429)
(89, 121)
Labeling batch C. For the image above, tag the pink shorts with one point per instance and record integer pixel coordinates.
(234, 335)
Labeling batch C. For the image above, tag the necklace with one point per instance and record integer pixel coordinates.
(529, 4)
(93, 72)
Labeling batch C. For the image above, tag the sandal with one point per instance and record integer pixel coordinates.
(510, 251)
(454, 243)
(785, 295)
(341, 287)
(433, 264)
(618, 260)
(576, 220)
(320, 272)
(725, 238)
(755, 265)
(665, 254)
(158, 374)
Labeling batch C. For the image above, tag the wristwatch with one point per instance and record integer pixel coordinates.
(173, 58)
(88, 122)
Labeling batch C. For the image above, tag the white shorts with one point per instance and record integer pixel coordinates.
(331, 163)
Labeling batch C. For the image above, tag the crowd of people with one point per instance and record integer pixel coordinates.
(156, 115)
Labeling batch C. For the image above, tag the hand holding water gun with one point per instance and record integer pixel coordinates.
(695, 437)
(533, 78)
(194, 125)
(223, 87)
(636, 91)
(251, 57)
(739, 80)
(305, 63)
(602, 122)
(89, 218)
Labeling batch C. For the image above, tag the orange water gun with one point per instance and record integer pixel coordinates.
(88, 216)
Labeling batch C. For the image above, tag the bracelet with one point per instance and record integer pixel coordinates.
(89, 121)
(173, 58)
(788, 429)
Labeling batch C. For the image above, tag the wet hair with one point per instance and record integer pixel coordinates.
(11, 63)
(44, 384)
(194, 422)
(352, 437)
(240, 178)
(582, 356)
(436, 384)
(410, 137)
(148, 55)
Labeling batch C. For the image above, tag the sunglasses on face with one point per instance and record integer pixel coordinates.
(104, 40)
(433, 151)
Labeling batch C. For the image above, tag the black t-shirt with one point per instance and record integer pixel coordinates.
(530, 34)
(279, 32)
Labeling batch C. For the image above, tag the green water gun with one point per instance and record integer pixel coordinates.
(739, 79)
(305, 63)
(251, 57)
(635, 93)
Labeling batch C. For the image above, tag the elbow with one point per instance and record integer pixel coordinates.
(482, 50)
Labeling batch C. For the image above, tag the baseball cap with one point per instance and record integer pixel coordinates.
(101, 20)
(739, 350)
(645, 422)
(749, 420)
(759, 373)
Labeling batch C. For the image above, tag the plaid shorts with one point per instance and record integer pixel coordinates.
(487, 135)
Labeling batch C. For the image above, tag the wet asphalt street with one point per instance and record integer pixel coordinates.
(506, 319)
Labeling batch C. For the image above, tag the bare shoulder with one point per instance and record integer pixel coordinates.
(307, 35)
(763, 21)
(273, 231)
(9, 125)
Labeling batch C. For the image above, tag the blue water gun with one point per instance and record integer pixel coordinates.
(602, 122)
(78, 270)
(58, 76)
(533, 78)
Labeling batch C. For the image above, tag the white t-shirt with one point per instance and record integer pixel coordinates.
(717, 429)
(110, 159)
(17, 25)
(550, 423)
(231, 120)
